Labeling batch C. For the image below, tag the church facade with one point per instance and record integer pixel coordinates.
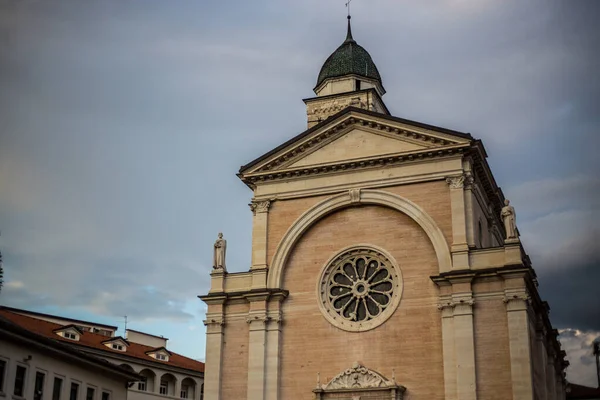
(386, 264)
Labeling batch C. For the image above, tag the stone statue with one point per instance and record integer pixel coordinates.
(219, 253)
(509, 219)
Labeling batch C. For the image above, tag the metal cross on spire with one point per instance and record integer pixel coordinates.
(348, 6)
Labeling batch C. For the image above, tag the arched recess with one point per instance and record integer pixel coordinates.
(188, 388)
(352, 198)
(148, 379)
(167, 384)
(127, 367)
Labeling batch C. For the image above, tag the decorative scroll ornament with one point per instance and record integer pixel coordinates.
(357, 377)
(260, 206)
(456, 182)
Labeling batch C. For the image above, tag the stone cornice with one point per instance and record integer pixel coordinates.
(247, 295)
(387, 160)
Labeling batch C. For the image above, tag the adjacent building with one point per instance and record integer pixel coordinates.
(386, 264)
(161, 373)
(35, 367)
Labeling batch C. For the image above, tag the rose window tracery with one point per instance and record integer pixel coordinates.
(359, 288)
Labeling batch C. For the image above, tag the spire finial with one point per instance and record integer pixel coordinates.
(349, 34)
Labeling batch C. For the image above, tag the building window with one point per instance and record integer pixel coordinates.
(117, 346)
(142, 385)
(164, 388)
(38, 390)
(57, 389)
(105, 396)
(480, 234)
(20, 381)
(360, 288)
(74, 391)
(357, 84)
(70, 335)
(161, 357)
(2, 372)
(184, 392)
(90, 393)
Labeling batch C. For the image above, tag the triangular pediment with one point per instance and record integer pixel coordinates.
(358, 143)
(354, 134)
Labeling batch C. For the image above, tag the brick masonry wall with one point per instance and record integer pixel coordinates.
(433, 197)
(492, 353)
(235, 353)
(410, 341)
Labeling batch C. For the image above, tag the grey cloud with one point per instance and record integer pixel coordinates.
(122, 127)
(578, 345)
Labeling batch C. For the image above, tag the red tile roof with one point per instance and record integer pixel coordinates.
(94, 340)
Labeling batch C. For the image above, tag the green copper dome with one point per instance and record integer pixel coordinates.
(349, 58)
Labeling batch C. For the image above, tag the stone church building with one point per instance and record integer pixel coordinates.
(386, 264)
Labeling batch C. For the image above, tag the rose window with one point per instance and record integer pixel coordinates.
(360, 288)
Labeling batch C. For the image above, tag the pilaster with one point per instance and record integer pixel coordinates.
(468, 184)
(446, 306)
(458, 338)
(460, 247)
(542, 356)
(177, 388)
(551, 374)
(257, 346)
(274, 327)
(260, 209)
(517, 308)
(273, 356)
(215, 324)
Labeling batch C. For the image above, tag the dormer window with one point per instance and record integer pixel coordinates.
(161, 354)
(69, 332)
(116, 343)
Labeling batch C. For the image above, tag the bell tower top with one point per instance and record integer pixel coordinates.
(349, 68)
(348, 77)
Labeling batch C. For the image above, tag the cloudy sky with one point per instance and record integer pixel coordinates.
(123, 123)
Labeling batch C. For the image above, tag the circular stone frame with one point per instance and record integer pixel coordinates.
(327, 309)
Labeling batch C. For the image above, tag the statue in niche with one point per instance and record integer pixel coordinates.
(219, 253)
(509, 219)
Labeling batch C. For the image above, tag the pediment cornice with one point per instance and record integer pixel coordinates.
(354, 164)
(327, 134)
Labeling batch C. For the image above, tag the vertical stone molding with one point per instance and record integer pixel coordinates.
(257, 343)
(458, 338)
(464, 342)
(551, 373)
(517, 309)
(274, 324)
(541, 355)
(460, 247)
(446, 307)
(214, 356)
(468, 184)
(260, 209)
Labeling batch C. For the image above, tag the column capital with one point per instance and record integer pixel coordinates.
(214, 325)
(516, 301)
(259, 206)
(456, 181)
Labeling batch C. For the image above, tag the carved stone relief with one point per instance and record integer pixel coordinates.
(359, 382)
